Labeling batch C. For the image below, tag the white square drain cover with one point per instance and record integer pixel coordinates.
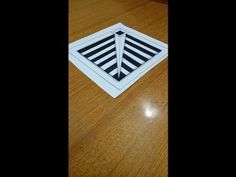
(116, 57)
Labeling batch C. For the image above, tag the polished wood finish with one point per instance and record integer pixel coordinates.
(126, 136)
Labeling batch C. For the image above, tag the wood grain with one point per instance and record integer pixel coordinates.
(126, 136)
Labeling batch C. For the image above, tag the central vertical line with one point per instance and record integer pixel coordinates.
(120, 43)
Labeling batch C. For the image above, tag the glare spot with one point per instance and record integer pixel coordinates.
(150, 111)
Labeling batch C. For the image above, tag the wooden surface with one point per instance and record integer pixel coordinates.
(126, 136)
